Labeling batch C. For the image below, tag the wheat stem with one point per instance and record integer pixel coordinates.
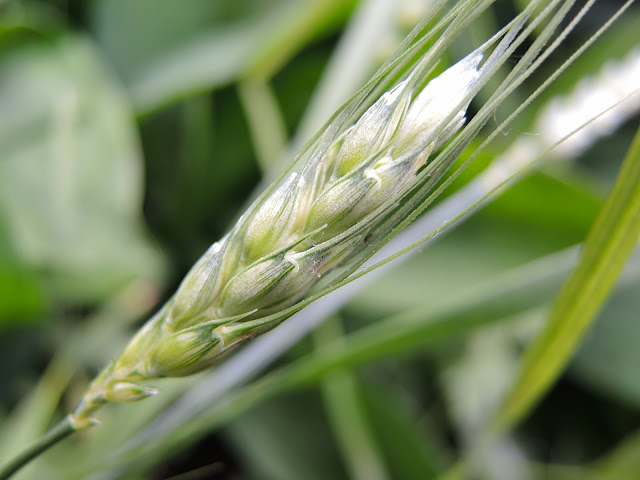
(61, 431)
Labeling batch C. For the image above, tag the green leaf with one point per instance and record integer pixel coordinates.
(611, 240)
(564, 209)
(71, 170)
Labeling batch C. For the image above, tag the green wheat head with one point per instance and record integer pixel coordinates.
(373, 168)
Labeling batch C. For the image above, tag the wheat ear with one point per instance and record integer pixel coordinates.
(315, 221)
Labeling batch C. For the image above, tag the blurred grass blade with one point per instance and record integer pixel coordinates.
(610, 242)
(409, 441)
(348, 419)
(265, 121)
(622, 463)
(254, 47)
(31, 418)
(300, 23)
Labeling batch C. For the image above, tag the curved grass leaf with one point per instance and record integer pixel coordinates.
(609, 244)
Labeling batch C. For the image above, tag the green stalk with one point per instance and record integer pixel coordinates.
(61, 431)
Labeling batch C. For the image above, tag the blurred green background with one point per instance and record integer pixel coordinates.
(132, 133)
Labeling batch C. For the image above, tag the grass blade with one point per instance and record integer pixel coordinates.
(610, 242)
(349, 423)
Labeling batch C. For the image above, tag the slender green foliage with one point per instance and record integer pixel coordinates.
(610, 242)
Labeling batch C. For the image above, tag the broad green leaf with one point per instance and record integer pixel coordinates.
(562, 209)
(610, 242)
(71, 172)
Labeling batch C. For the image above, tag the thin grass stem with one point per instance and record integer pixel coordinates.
(58, 433)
